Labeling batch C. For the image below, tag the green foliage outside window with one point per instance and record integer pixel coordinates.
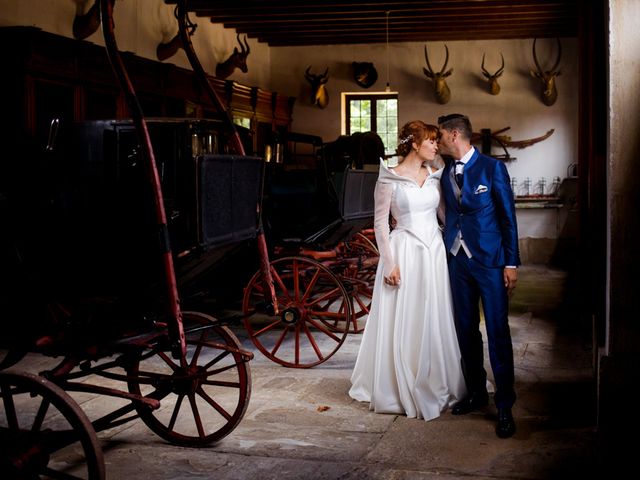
(375, 113)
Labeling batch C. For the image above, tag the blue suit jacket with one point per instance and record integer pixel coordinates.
(486, 212)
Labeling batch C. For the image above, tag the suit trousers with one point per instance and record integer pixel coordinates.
(471, 284)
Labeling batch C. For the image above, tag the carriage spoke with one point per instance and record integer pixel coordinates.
(168, 360)
(40, 416)
(266, 329)
(175, 412)
(213, 403)
(313, 342)
(196, 415)
(324, 330)
(326, 295)
(310, 286)
(10, 408)
(277, 279)
(280, 340)
(216, 359)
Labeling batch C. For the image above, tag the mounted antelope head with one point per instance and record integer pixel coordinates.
(442, 92)
(238, 59)
(319, 94)
(547, 77)
(494, 87)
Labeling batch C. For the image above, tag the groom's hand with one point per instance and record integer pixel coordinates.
(510, 279)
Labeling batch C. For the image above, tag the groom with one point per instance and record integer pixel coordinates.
(481, 237)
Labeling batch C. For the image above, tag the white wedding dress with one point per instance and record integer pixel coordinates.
(409, 359)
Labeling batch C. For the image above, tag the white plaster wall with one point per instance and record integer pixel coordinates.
(539, 222)
(517, 106)
(140, 25)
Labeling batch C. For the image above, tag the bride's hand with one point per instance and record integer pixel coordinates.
(394, 277)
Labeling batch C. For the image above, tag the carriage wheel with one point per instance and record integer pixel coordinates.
(203, 396)
(360, 273)
(314, 313)
(43, 432)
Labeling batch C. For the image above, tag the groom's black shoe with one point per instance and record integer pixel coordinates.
(506, 426)
(471, 402)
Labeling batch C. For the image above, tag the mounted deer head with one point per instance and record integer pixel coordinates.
(442, 92)
(319, 94)
(547, 77)
(238, 59)
(494, 87)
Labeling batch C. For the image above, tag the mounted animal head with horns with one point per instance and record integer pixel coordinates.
(319, 93)
(547, 77)
(494, 87)
(238, 59)
(442, 92)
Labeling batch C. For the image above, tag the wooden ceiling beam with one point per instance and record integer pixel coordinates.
(365, 21)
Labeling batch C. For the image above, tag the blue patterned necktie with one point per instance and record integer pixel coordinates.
(459, 177)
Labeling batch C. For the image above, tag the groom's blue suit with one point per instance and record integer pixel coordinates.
(484, 212)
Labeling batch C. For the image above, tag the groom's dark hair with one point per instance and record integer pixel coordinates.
(456, 121)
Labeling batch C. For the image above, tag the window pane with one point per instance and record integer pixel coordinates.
(381, 125)
(354, 108)
(373, 113)
(392, 106)
(366, 108)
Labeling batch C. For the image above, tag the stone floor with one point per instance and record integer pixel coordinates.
(301, 424)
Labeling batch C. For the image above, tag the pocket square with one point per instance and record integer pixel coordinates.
(480, 189)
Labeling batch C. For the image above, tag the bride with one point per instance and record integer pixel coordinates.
(409, 359)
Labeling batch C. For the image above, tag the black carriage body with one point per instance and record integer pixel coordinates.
(319, 198)
(90, 237)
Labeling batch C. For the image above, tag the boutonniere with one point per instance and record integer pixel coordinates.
(480, 189)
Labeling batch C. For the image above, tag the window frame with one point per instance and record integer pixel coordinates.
(373, 97)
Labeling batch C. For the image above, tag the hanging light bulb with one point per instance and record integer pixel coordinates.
(388, 87)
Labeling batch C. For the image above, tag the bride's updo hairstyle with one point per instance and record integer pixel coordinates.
(416, 132)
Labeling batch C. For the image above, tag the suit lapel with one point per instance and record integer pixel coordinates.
(453, 191)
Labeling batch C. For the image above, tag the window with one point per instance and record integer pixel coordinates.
(376, 113)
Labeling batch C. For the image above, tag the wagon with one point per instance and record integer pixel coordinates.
(322, 264)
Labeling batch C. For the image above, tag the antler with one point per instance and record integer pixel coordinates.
(553, 69)
(549, 91)
(555, 65)
(245, 44)
(498, 72)
(446, 60)
(441, 89)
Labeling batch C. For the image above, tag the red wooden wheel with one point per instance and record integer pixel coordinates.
(41, 428)
(313, 318)
(360, 274)
(203, 396)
